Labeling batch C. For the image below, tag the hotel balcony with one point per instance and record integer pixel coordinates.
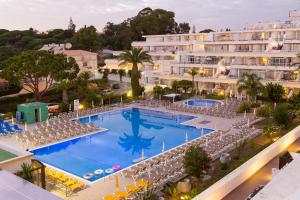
(226, 79)
(226, 53)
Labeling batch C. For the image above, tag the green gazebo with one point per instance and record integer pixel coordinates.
(33, 112)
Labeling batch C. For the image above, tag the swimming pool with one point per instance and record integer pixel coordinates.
(131, 131)
(202, 102)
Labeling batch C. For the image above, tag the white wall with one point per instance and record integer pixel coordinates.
(227, 184)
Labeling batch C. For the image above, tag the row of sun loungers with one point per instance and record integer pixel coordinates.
(6, 128)
(81, 113)
(54, 130)
(227, 109)
(130, 192)
(62, 181)
(154, 103)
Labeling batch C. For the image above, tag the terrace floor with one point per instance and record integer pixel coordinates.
(262, 177)
(5, 155)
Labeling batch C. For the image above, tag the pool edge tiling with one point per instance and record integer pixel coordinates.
(131, 131)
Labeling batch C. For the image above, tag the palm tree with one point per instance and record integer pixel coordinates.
(82, 83)
(122, 73)
(251, 84)
(64, 86)
(193, 73)
(135, 57)
(26, 172)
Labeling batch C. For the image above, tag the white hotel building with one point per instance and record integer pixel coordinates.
(222, 58)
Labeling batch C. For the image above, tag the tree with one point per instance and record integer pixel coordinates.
(121, 73)
(158, 91)
(37, 70)
(146, 22)
(183, 28)
(6, 52)
(193, 73)
(206, 31)
(196, 161)
(282, 115)
(71, 25)
(183, 84)
(87, 39)
(295, 101)
(26, 173)
(274, 92)
(135, 57)
(251, 84)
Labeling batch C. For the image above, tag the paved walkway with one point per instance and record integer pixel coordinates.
(262, 177)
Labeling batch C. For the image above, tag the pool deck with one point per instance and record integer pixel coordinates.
(107, 185)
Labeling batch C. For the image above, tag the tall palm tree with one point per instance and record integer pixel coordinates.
(251, 84)
(122, 73)
(135, 57)
(193, 73)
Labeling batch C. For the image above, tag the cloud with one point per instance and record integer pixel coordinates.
(49, 14)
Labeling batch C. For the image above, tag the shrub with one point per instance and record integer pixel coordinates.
(225, 165)
(116, 86)
(274, 92)
(244, 106)
(195, 191)
(157, 91)
(214, 96)
(114, 71)
(8, 89)
(264, 111)
(255, 105)
(282, 115)
(64, 107)
(196, 161)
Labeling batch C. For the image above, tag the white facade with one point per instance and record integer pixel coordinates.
(221, 58)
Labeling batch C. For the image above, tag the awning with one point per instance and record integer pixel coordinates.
(173, 95)
(15, 188)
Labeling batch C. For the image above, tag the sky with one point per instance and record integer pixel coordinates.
(216, 14)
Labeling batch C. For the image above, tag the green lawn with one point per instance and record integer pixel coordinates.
(4, 155)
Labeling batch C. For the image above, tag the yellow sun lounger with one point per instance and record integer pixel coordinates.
(110, 197)
(142, 183)
(71, 182)
(76, 186)
(131, 188)
(64, 178)
(58, 175)
(122, 194)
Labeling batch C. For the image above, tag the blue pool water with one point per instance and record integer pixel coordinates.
(202, 102)
(130, 131)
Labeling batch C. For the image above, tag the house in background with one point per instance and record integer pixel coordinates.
(86, 60)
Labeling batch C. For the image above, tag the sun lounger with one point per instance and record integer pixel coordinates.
(121, 194)
(8, 127)
(17, 128)
(3, 132)
(110, 197)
